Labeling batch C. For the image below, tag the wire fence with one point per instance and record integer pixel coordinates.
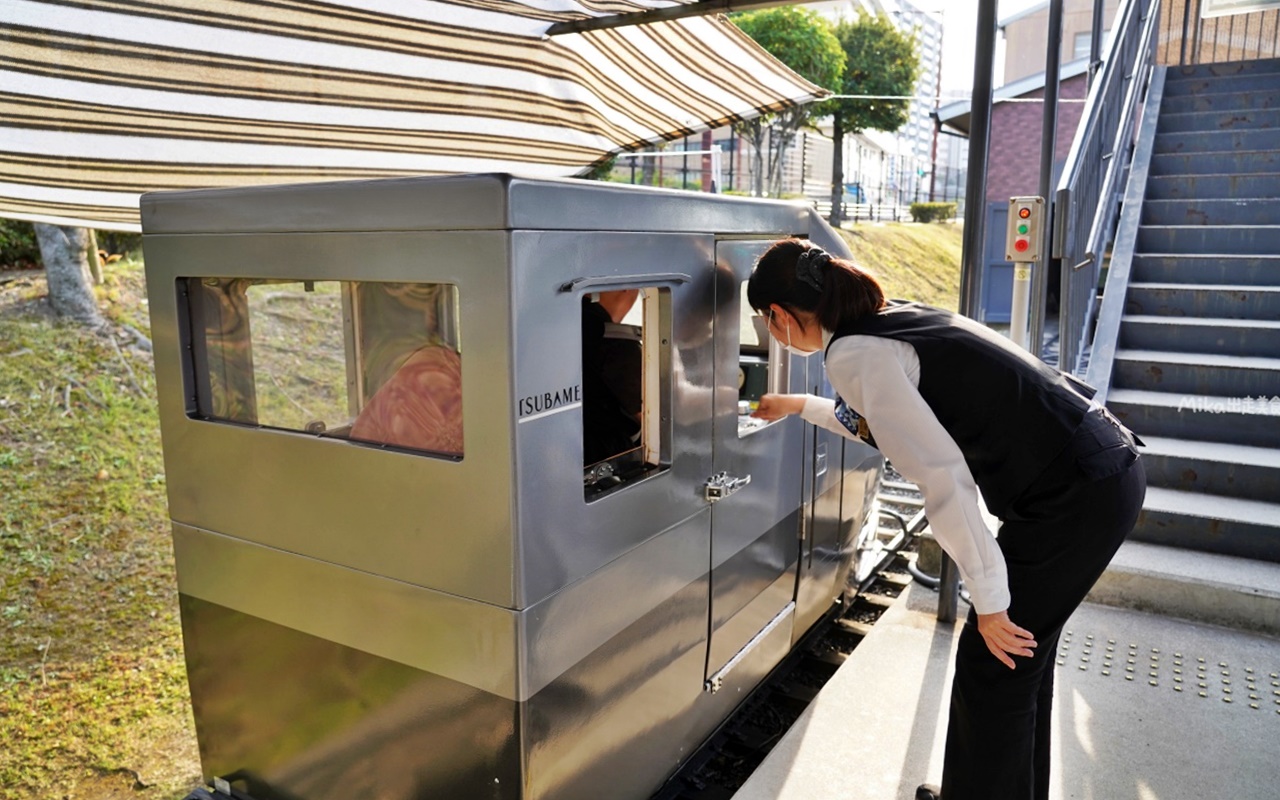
(878, 186)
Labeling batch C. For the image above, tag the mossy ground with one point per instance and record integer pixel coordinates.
(93, 695)
(913, 261)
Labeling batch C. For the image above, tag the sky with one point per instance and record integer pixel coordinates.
(959, 33)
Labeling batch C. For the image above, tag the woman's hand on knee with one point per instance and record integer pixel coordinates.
(1004, 639)
(777, 406)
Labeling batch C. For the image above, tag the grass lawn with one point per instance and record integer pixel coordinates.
(912, 261)
(93, 694)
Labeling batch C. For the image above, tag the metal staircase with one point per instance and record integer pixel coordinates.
(1195, 364)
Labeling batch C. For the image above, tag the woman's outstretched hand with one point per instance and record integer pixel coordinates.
(777, 406)
(1003, 638)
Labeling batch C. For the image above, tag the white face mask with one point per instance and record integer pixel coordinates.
(792, 348)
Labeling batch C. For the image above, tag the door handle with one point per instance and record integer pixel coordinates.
(723, 484)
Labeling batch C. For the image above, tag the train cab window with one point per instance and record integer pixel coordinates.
(762, 365)
(378, 363)
(625, 382)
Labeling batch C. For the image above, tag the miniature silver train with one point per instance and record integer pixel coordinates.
(400, 577)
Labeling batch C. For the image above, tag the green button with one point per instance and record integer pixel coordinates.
(1022, 229)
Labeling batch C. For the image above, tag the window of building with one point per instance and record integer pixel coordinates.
(379, 363)
(626, 368)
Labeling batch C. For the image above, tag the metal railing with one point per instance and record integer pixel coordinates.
(1188, 37)
(872, 212)
(1087, 200)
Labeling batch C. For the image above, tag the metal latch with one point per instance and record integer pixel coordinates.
(722, 485)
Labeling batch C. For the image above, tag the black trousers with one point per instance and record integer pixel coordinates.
(1057, 539)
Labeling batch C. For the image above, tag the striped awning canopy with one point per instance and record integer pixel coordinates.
(101, 100)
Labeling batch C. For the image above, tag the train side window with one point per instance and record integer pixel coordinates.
(625, 387)
(762, 365)
(378, 363)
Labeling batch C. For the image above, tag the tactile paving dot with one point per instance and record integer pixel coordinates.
(1223, 680)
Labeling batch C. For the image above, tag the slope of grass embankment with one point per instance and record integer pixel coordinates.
(912, 261)
(93, 694)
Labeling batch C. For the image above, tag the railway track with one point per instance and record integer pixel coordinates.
(720, 767)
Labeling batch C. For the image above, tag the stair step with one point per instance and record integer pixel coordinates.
(1206, 268)
(1215, 186)
(1244, 82)
(1223, 69)
(1240, 337)
(1206, 587)
(1195, 416)
(1219, 101)
(1204, 300)
(1196, 373)
(1235, 239)
(1217, 468)
(1213, 121)
(1201, 142)
(1211, 212)
(1234, 162)
(1227, 525)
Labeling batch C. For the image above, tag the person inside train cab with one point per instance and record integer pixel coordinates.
(960, 410)
(612, 371)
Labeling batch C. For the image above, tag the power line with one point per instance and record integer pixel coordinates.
(938, 98)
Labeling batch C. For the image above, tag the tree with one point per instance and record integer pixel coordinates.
(879, 60)
(66, 253)
(805, 42)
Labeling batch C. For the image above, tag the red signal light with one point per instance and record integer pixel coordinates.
(1024, 212)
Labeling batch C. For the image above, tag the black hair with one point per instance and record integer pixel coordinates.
(799, 276)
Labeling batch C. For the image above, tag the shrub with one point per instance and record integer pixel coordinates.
(18, 245)
(932, 212)
(118, 243)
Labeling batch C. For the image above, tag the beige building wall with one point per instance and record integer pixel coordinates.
(1025, 38)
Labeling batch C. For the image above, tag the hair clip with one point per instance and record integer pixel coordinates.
(809, 266)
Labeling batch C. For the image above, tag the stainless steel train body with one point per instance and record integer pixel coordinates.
(476, 612)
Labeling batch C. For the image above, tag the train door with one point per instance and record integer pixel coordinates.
(756, 485)
(824, 542)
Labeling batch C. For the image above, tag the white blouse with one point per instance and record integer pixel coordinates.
(878, 378)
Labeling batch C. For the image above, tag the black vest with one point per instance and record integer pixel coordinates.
(1009, 412)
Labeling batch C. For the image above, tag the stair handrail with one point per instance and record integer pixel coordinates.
(1107, 338)
(1088, 194)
